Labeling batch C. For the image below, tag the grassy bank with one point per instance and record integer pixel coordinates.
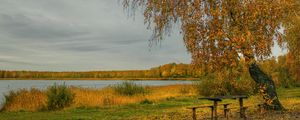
(167, 102)
(168, 108)
(36, 100)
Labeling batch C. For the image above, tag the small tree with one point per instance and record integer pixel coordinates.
(218, 33)
(59, 97)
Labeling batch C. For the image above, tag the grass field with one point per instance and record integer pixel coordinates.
(166, 108)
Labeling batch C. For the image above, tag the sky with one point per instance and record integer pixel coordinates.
(80, 35)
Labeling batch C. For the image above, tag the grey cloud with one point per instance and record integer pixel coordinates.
(83, 48)
(79, 35)
(128, 41)
(22, 26)
(17, 62)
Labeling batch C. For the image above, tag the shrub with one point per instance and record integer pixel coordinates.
(59, 97)
(146, 101)
(219, 87)
(129, 88)
(25, 100)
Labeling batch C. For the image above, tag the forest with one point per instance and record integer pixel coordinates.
(282, 69)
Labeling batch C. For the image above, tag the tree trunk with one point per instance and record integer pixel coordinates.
(266, 88)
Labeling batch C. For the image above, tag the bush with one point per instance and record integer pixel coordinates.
(146, 101)
(219, 87)
(59, 97)
(25, 100)
(129, 88)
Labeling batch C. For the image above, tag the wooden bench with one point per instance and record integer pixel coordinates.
(212, 110)
(242, 111)
(217, 99)
(203, 106)
(226, 109)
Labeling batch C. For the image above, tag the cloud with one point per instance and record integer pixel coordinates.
(80, 35)
(37, 28)
(12, 60)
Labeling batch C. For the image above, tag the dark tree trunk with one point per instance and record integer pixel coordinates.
(266, 88)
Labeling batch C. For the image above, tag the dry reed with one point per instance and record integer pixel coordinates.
(35, 100)
(25, 100)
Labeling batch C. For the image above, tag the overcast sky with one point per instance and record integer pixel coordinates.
(79, 35)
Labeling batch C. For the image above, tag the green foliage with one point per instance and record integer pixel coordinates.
(146, 101)
(282, 70)
(211, 86)
(59, 97)
(129, 88)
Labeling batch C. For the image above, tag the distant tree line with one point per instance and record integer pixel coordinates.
(171, 70)
(282, 69)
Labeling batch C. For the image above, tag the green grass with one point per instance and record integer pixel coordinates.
(289, 93)
(169, 106)
(113, 112)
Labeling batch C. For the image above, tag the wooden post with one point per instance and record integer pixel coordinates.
(241, 108)
(194, 113)
(225, 110)
(215, 109)
(212, 112)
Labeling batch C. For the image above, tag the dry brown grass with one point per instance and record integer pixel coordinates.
(27, 100)
(34, 100)
(107, 96)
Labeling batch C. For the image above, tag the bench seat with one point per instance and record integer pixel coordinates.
(202, 106)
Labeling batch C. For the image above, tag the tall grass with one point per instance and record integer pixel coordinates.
(23, 99)
(129, 88)
(28, 100)
(108, 96)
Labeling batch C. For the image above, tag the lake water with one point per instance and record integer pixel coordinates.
(8, 85)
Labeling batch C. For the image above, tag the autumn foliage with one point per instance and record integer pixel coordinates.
(218, 32)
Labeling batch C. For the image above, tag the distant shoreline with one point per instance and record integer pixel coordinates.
(192, 79)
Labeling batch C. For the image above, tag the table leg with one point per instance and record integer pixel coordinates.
(194, 114)
(212, 112)
(241, 108)
(215, 109)
(225, 111)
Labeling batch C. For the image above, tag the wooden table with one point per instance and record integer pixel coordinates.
(219, 98)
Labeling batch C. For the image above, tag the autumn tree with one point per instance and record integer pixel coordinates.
(293, 42)
(218, 33)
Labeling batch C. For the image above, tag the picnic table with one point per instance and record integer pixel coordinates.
(219, 98)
